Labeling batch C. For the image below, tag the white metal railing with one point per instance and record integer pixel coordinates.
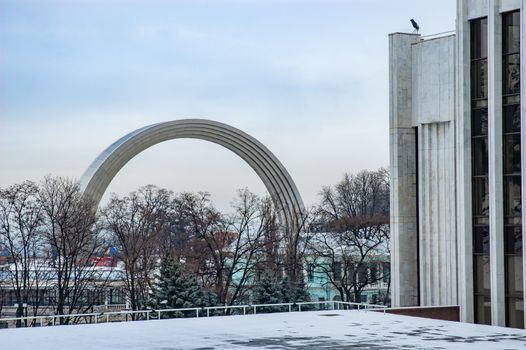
(51, 318)
(124, 313)
(112, 307)
(39, 320)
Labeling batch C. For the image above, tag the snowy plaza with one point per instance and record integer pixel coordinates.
(334, 329)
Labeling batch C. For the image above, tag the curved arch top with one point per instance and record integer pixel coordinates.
(277, 180)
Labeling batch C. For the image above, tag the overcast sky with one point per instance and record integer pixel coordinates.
(309, 79)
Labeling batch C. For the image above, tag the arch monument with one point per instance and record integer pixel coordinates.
(275, 177)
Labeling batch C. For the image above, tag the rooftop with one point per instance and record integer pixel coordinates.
(336, 329)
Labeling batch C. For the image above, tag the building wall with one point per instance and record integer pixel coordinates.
(437, 229)
(434, 116)
(423, 184)
(402, 141)
(433, 76)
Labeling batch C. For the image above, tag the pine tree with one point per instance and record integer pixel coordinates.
(266, 293)
(174, 289)
(285, 290)
(300, 294)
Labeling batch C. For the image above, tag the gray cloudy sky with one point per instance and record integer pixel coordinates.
(309, 79)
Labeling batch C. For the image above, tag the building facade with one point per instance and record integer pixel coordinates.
(456, 129)
(323, 279)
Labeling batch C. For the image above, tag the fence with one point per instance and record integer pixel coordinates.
(130, 315)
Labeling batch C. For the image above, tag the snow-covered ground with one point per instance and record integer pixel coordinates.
(306, 330)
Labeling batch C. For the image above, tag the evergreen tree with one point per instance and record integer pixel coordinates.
(266, 292)
(209, 298)
(300, 294)
(285, 290)
(174, 289)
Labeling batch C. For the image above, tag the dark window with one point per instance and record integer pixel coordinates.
(351, 274)
(481, 239)
(482, 268)
(310, 272)
(482, 309)
(479, 168)
(337, 271)
(515, 312)
(479, 79)
(479, 122)
(373, 271)
(514, 276)
(386, 271)
(480, 156)
(514, 291)
(511, 74)
(512, 118)
(479, 38)
(513, 240)
(512, 196)
(512, 154)
(511, 139)
(362, 274)
(511, 32)
(480, 196)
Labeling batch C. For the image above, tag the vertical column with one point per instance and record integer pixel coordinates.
(463, 147)
(404, 241)
(496, 199)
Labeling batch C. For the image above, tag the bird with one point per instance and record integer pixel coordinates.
(415, 25)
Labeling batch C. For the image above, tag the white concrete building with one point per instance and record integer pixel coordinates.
(456, 126)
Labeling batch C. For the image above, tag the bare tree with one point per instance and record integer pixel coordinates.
(352, 235)
(209, 238)
(136, 223)
(70, 232)
(3, 293)
(253, 223)
(225, 251)
(20, 228)
(3, 283)
(295, 241)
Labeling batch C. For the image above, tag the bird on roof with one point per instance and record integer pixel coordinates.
(415, 25)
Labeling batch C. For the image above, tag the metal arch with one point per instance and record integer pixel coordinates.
(275, 177)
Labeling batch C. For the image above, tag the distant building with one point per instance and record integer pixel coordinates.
(104, 288)
(321, 288)
(456, 129)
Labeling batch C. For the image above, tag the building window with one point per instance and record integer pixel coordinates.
(310, 272)
(511, 140)
(116, 296)
(362, 274)
(479, 170)
(351, 274)
(373, 272)
(386, 271)
(337, 267)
